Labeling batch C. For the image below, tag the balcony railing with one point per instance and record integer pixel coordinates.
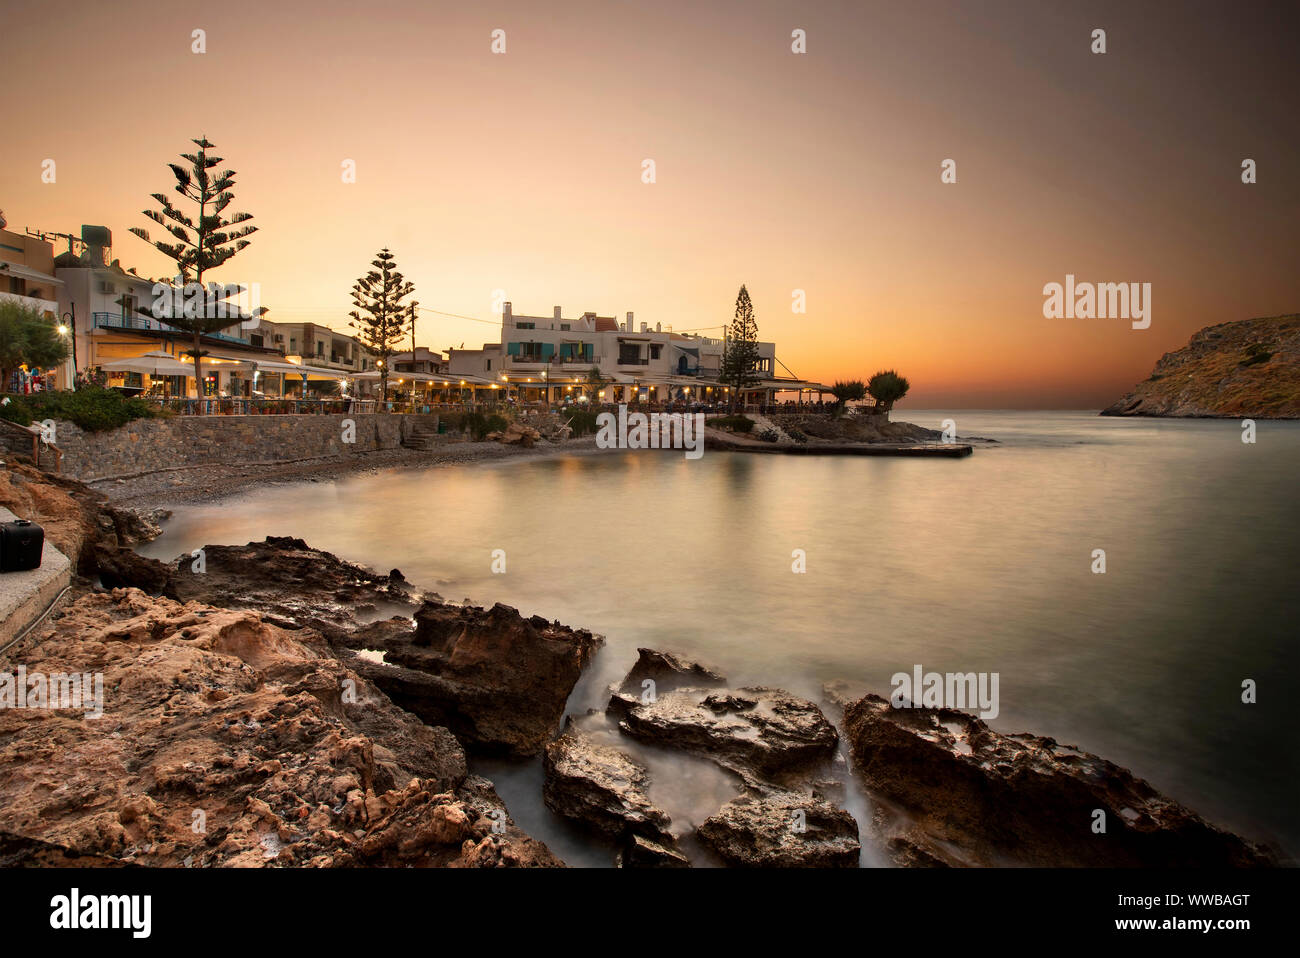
(119, 321)
(553, 361)
(633, 361)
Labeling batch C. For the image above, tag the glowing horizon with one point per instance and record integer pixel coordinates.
(522, 172)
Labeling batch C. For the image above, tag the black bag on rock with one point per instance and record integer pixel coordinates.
(21, 542)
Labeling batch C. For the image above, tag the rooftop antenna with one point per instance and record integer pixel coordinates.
(46, 235)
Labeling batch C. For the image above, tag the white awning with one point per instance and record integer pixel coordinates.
(155, 363)
(294, 369)
(26, 272)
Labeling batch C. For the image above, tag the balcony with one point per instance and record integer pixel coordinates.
(119, 321)
(553, 361)
(44, 305)
(633, 361)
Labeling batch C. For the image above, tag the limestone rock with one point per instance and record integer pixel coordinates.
(761, 733)
(601, 787)
(971, 796)
(782, 830)
(228, 741)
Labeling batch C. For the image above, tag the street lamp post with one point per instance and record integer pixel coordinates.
(71, 318)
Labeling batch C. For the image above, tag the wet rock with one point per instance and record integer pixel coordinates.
(120, 568)
(667, 672)
(978, 797)
(133, 526)
(299, 586)
(761, 733)
(497, 680)
(602, 787)
(641, 852)
(782, 830)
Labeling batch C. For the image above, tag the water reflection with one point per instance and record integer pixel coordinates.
(979, 564)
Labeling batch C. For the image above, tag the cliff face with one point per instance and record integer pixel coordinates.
(1246, 369)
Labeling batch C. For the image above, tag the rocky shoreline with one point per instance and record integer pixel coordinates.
(284, 707)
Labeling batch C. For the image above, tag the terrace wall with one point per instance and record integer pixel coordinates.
(181, 442)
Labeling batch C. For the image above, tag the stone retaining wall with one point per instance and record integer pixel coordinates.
(151, 445)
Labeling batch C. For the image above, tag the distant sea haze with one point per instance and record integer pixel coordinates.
(983, 564)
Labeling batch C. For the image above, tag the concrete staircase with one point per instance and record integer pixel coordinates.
(420, 436)
(762, 424)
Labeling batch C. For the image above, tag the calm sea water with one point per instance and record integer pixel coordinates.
(977, 564)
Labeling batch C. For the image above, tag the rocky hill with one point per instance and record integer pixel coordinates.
(1246, 369)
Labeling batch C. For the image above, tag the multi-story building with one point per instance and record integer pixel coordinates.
(112, 313)
(27, 277)
(313, 344)
(552, 358)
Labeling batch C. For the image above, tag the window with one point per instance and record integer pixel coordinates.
(489, 364)
(654, 350)
(255, 339)
(564, 327)
(525, 325)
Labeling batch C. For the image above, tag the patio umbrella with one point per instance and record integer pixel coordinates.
(155, 363)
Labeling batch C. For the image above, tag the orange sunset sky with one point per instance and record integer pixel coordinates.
(820, 171)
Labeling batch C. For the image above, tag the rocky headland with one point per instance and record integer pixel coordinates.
(276, 705)
(1246, 369)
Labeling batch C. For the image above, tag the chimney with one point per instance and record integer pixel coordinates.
(556, 314)
(506, 313)
(659, 327)
(645, 327)
(630, 326)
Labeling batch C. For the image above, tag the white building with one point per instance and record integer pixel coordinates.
(552, 358)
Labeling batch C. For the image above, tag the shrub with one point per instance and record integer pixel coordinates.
(887, 388)
(581, 421)
(93, 408)
(769, 434)
(476, 424)
(16, 410)
(735, 423)
(849, 391)
(798, 435)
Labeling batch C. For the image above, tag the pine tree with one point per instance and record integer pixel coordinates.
(740, 357)
(380, 317)
(203, 245)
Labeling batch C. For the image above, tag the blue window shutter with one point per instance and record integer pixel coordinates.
(512, 349)
(548, 350)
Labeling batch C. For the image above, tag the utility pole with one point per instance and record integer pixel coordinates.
(413, 385)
